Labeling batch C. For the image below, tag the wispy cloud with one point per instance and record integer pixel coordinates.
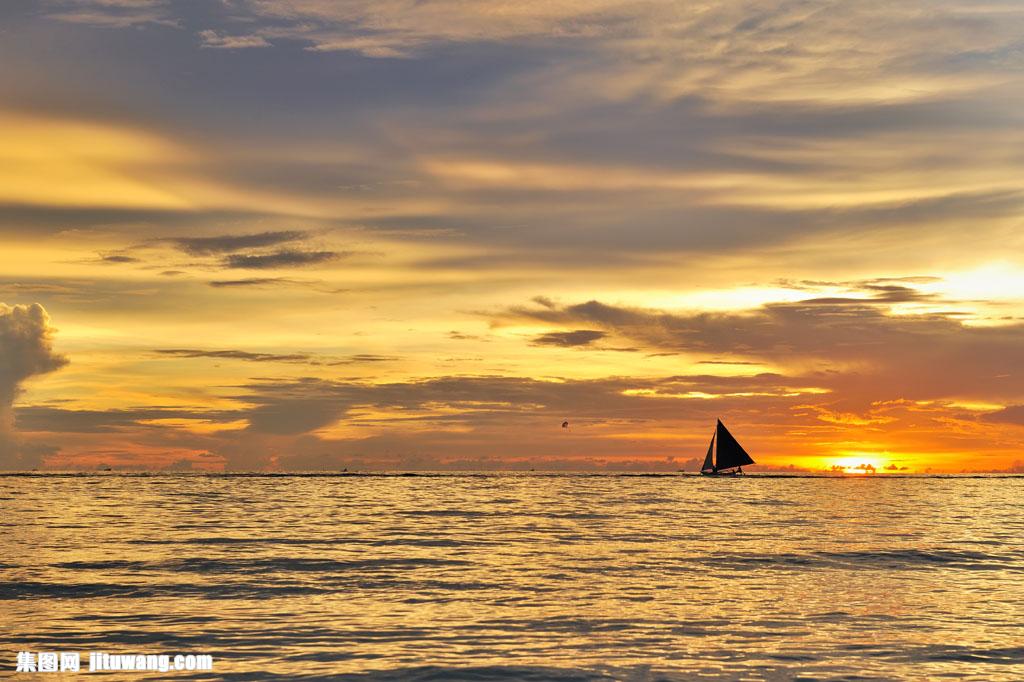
(293, 358)
(250, 282)
(113, 13)
(835, 53)
(579, 337)
(212, 39)
(118, 259)
(280, 259)
(205, 246)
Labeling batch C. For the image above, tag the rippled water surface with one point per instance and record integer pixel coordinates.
(521, 576)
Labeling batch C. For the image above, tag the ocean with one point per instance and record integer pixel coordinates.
(524, 576)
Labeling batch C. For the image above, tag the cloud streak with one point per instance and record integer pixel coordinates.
(579, 337)
(210, 246)
(857, 343)
(113, 13)
(214, 40)
(288, 358)
(286, 258)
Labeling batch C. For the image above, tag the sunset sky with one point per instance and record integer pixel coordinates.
(308, 234)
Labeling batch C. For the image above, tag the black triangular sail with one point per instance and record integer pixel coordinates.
(730, 453)
(709, 461)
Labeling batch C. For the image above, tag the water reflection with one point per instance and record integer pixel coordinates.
(518, 575)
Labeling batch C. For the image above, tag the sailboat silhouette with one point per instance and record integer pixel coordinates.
(726, 456)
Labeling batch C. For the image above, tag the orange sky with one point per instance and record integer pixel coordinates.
(385, 235)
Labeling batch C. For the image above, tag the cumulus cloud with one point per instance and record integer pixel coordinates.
(26, 350)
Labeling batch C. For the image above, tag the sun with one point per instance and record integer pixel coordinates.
(856, 464)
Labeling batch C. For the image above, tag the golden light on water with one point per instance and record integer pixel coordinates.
(514, 575)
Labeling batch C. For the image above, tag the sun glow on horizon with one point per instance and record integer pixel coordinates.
(866, 464)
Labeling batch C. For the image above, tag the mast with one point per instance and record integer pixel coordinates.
(730, 453)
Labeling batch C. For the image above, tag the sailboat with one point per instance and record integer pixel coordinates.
(728, 458)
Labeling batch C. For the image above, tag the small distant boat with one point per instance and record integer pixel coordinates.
(726, 456)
